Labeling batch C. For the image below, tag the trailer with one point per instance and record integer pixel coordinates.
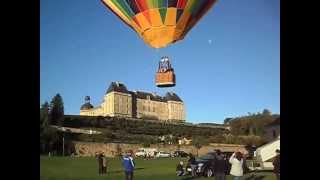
(264, 155)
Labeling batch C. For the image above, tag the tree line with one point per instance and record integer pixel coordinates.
(139, 126)
(252, 124)
(52, 113)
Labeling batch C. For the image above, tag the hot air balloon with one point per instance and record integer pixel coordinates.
(165, 76)
(160, 22)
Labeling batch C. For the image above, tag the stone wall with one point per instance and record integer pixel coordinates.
(272, 133)
(111, 149)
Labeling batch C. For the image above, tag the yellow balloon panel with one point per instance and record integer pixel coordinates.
(159, 37)
(171, 17)
(155, 17)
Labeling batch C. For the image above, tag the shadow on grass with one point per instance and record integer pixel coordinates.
(187, 178)
(190, 177)
(255, 177)
(122, 171)
(251, 177)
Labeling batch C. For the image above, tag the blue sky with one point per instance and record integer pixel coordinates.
(84, 47)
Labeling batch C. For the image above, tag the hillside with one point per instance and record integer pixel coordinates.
(134, 130)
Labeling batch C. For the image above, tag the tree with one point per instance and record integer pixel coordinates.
(118, 150)
(48, 135)
(44, 116)
(44, 123)
(266, 112)
(198, 142)
(227, 120)
(56, 110)
(198, 146)
(50, 138)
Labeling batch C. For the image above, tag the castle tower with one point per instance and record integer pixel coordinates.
(86, 107)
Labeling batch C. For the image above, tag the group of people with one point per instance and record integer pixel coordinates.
(220, 165)
(239, 168)
(127, 163)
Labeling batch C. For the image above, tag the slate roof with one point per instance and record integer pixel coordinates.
(120, 87)
(117, 87)
(171, 96)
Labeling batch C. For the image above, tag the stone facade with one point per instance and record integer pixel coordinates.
(272, 130)
(118, 101)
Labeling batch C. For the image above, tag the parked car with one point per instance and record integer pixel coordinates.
(180, 154)
(163, 154)
(205, 165)
(143, 152)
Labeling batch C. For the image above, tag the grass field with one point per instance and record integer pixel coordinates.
(83, 168)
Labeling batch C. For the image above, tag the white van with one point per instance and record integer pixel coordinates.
(149, 152)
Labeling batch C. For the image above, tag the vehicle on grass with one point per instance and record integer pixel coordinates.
(163, 154)
(146, 152)
(205, 165)
(180, 154)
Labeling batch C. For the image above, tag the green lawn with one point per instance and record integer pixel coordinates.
(81, 168)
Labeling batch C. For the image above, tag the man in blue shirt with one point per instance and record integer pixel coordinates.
(128, 165)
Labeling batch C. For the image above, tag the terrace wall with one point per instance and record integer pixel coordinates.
(111, 149)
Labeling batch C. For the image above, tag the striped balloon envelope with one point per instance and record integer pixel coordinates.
(160, 22)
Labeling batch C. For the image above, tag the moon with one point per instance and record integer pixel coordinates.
(209, 41)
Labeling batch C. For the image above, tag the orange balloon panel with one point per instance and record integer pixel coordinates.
(160, 22)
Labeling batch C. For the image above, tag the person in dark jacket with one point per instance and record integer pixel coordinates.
(276, 164)
(100, 162)
(128, 165)
(104, 164)
(179, 169)
(220, 166)
(193, 164)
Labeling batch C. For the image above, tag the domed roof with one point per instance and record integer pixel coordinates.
(170, 96)
(86, 106)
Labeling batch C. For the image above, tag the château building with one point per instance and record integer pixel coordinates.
(120, 102)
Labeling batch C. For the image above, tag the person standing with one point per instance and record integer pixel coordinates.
(104, 164)
(220, 166)
(99, 158)
(193, 164)
(128, 165)
(276, 164)
(236, 161)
